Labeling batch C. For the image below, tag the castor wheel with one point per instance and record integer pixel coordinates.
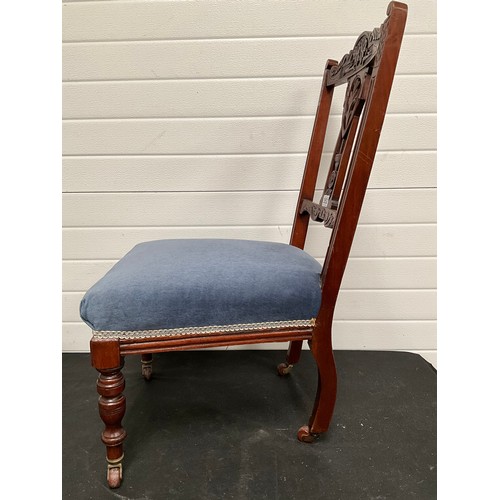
(147, 370)
(114, 475)
(147, 366)
(304, 434)
(284, 369)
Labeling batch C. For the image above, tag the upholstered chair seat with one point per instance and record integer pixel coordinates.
(166, 286)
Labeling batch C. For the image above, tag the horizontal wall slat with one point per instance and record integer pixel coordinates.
(76, 337)
(226, 58)
(381, 240)
(386, 305)
(368, 273)
(369, 241)
(141, 20)
(351, 305)
(398, 169)
(253, 208)
(229, 135)
(251, 97)
(357, 335)
(361, 273)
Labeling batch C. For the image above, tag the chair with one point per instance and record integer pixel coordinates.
(171, 295)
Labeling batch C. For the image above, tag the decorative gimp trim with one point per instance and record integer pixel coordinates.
(201, 330)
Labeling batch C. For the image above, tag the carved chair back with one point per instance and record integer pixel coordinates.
(367, 71)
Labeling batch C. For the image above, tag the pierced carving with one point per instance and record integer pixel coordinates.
(357, 68)
(326, 200)
(353, 102)
(319, 213)
(353, 105)
(364, 51)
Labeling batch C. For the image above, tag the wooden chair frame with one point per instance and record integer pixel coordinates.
(368, 71)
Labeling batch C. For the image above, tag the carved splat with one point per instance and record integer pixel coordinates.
(353, 102)
(355, 69)
(326, 199)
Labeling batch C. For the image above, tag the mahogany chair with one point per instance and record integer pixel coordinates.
(171, 295)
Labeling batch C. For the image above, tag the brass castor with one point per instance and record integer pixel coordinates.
(114, 474)
(304, 434)
(147, 369)
(284, 369)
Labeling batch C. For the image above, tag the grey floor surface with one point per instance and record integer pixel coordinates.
(222, 425)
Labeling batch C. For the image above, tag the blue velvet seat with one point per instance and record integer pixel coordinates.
(177, 284)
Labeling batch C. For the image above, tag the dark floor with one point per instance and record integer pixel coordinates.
(222, 424)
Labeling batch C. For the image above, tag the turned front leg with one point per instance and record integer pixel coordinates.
(110, 386)
(107, 360)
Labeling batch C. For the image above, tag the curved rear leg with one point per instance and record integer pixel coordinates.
(292, 357)
(326, 393)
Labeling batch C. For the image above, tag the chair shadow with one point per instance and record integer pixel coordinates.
(210, 391)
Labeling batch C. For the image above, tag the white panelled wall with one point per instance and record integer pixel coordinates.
(186, 119)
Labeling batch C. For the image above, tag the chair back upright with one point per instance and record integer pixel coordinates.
(367, 71)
